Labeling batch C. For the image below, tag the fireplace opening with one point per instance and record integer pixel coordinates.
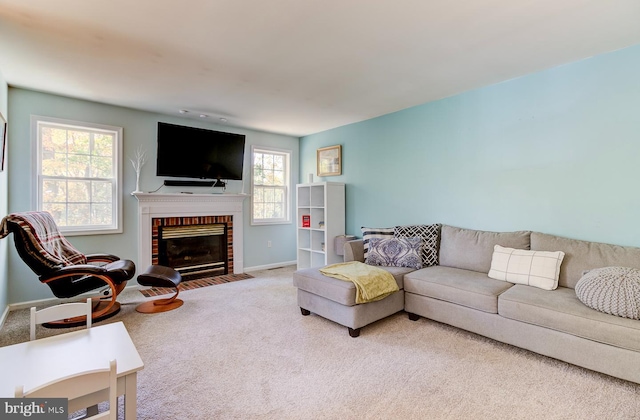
(194, 250)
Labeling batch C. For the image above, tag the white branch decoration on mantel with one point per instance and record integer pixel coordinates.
(138, 161)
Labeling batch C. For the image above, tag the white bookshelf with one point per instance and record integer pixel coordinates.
(323, 202)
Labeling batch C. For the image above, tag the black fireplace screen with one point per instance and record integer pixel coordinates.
(194, 250)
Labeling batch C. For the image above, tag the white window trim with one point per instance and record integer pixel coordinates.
(36, 194)
(287, 220)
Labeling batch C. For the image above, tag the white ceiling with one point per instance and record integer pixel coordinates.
(296, 67)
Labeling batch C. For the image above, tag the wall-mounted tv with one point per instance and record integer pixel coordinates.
(191, 152)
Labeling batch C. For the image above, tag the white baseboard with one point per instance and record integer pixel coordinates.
(43, 302)
(55, 300)
(39, 302)
(4, 316)
(270, 266)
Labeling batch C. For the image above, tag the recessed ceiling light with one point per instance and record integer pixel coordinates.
(204, 116)
(183, 111)
(224, 120)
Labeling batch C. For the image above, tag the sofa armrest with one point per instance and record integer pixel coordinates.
(354, 250)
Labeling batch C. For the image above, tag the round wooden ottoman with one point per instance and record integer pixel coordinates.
(160, 276)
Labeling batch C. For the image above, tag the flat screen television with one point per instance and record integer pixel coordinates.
(190, 152)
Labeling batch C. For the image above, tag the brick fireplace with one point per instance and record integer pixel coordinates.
(181, 216)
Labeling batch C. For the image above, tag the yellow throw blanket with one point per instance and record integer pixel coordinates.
(372, 283)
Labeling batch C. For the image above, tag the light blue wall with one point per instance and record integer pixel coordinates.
(139, 129)
(4, 274)
(556, 151)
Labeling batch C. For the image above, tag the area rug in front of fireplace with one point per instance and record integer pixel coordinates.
(196, 284)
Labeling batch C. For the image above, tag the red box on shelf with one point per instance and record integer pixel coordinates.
(306, 220)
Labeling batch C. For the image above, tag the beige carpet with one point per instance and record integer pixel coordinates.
(242, 350)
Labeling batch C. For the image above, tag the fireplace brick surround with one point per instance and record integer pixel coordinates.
(190, 209)
(158, 222)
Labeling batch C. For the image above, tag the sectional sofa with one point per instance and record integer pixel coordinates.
(458, 292)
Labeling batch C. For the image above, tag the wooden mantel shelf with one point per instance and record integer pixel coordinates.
(185, 197)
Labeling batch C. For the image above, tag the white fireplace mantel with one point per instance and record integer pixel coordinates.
(154, 205)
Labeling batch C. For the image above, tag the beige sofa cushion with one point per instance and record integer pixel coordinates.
(472, 249)
(343, 292)
(561, 310)
(463, 287)
(584, 255)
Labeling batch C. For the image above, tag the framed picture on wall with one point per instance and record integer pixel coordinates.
(329, 161)
(3, 140)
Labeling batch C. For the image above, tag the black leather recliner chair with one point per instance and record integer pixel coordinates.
(63, 268)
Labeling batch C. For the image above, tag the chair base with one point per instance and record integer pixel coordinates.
(160, 305)
(79, 321)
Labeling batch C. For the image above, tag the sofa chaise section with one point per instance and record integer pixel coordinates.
(335, 299)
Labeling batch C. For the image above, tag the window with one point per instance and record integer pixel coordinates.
(270, 185)
(78, 174)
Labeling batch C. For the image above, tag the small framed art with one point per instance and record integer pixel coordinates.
(329, 161)
(3, 140)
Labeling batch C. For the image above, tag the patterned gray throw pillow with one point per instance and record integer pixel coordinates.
(395, 252)
(430, 235)
(612, 290)
(370, 233)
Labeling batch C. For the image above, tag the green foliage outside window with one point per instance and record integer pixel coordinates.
(78, 174)
(270, 186)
